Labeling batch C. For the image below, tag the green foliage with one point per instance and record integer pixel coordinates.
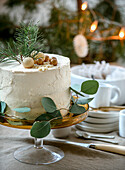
(106, 9)
(22, 109)
(84, 100)
(27, 40)
(40, 129)
(64, 25)
(48, 104)
(76, 109)
(106, 50)
(49, 116)
(60, 33)
(14, 123)
(77, 92)
(42, 124)
(3, 107)
(89, 87)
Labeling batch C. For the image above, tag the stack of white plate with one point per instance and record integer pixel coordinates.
(100, 121)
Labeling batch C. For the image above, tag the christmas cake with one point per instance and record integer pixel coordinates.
(22, 86)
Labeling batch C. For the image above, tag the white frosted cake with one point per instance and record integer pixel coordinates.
(25, 87)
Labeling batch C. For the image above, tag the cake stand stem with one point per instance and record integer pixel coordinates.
(38, 153)
(38, 143)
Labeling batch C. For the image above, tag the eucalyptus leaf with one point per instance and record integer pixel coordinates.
(22, 109)
(76, 109)
(2, 120)
(77, 92)
(2, 107)
(49, 116)
(72, 99)
(48, 104)
(89, 87)
(84, 100)
(14, 123)
(44, 117)
(40, 129)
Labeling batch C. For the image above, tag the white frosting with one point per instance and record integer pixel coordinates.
(21, 87)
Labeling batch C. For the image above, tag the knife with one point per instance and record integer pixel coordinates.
(110, 148)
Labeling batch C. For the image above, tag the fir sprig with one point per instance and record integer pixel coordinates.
(27, 40)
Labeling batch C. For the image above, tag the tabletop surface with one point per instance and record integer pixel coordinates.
(76, 157)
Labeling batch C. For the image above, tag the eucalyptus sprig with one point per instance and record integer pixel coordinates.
(3, 107)
(27, 40)
(42, 125)
(88, 87)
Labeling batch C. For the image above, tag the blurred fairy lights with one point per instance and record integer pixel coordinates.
(94, 26)
(84, 6)
(122, 33)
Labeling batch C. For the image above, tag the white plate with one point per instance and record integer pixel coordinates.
(99, 130)
(100, 120)
(100, 126)
(101, 114)
(119, 82)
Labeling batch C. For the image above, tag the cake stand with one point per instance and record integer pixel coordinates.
(38, 153)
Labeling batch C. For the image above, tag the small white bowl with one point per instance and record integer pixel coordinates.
(62, 132)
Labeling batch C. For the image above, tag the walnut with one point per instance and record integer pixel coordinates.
(40, 61)
(40, 55)
(53, 61)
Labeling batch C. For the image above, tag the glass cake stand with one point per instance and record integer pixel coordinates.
(38, 153)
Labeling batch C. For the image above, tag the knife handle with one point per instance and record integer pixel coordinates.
(110, 148)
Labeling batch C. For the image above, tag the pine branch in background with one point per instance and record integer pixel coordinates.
(65, 24)
(27, 39)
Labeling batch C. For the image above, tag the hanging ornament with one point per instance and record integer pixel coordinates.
(80, 45)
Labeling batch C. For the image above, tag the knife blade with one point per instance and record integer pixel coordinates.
(104, 147)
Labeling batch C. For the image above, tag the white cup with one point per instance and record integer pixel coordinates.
(103, 97)
(61, 132)
(122, 123)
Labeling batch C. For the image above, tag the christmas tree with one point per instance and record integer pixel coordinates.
(99, 28)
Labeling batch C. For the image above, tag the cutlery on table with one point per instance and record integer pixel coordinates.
(86, 136)
(110, 148)
(96, 135)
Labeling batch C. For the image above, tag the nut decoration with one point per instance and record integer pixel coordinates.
(53, 61)
(33, 53)
(35, 61)
(45, 63)
(40, 55)
(40, 61)
(42, 68)
(28, 62)
(54, 58)
(46, 58)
